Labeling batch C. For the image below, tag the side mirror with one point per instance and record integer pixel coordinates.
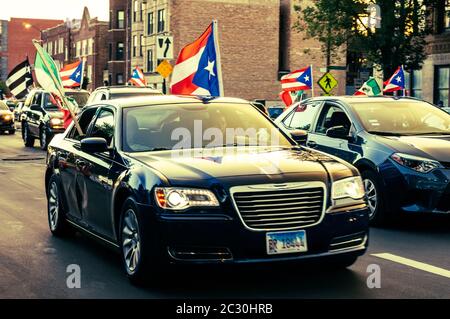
(338, 132)
(300, 136)
(35, 108)
(94, 145)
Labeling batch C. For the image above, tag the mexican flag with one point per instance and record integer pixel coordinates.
(369, 88)
(47, 73)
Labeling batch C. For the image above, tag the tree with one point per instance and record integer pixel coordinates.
(401, 39)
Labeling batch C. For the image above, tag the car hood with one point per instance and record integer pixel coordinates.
(251, 165)
(437, 147)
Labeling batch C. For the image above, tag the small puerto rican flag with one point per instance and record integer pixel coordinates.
(138, 78)
(297, 80)
(72, 74)
(395, 82)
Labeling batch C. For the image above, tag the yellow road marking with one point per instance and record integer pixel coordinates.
(415, 264)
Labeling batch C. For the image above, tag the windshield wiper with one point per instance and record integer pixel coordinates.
(156, 149)
(432, 133)
(384, 133)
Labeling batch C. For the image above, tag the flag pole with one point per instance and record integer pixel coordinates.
(219, 59)
(312, 80)
(61, 92)
(82, 72)
(404, 88)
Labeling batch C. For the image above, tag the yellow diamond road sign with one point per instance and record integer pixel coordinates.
(327, 82)
(165, 69)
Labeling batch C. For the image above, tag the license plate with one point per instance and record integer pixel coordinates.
(286, 242)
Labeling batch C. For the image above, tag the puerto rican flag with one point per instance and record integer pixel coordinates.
(198, 69)
(138, 78)
(395, 82)
(298, 80)
(72, 75)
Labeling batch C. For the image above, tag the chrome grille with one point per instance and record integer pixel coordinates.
(290, 207)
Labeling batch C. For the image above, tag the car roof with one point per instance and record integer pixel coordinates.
(364, 99)
(170, 99)
(128, 89)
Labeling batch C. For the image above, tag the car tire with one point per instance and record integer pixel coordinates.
(55, 209)
(27, 138)
(12, 132)
(136, 247)
(375, 198)
(44, 138)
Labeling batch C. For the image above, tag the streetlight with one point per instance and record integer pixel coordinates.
(29, 26)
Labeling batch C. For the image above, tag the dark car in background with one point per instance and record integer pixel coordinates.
(6, 119)
(41, 119)
(119, 92)
(264, 200)
(401, 146)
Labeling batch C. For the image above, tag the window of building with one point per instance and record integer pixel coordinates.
(135, 43)
(149, 60)
(442, 85)
(119, 78)
(142, 11)
(416, 84)
(161, 20)
(50, 47)
(78, 49)
(120, 19)
(110, 52)
(447, 15)
(135, 10)
(150, 23)
(55, 48)
(89, 73)
(141, 44)
(120, 51)
(90, 46)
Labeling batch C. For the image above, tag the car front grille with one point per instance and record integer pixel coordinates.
(290, 207)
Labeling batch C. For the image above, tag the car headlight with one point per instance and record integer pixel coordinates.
(56, 122)
(419, 164)
(352, 187)
(177, 198)
(7, 117)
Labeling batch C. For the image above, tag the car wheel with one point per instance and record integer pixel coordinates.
(43, 139)
(12, 132)
(136, 249)
(27, 138)
(375, 198)
(55, 211)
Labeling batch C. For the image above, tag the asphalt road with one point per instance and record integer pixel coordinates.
(33, 263)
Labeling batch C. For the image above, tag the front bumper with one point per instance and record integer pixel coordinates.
(224, 239)
(5, 126)
(412, 192)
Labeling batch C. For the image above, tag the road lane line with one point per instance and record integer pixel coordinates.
(415, 264)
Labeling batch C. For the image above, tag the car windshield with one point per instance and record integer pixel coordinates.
(402, 118)
(80, 97)
(195, 125)
(50, 103)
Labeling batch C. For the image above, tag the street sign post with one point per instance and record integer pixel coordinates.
(164, 48)
(327, 82)
(165, 69)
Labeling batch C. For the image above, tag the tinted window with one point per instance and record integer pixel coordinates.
(104, 126)
(402, 117)
(332, 116)
(49, 102)
(302, 117)
(84, 119)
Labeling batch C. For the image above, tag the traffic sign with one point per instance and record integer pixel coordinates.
(327, 82)
(165, 69)
(164, 47)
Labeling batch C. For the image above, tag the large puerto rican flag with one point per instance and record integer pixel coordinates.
(395, 82)
(72, 74)
(297, 80)
(198, 69)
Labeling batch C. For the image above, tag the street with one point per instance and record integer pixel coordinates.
(33, 263)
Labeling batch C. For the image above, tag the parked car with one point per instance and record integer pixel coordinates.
(18, 111)
(80, 96)
(125, 181)
(6, 119)
(275, 111)
(118, 92)
(401, 146)
(41, 119)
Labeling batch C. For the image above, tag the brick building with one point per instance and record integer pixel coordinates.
(20, 33)
(3, 50)
(57, 42)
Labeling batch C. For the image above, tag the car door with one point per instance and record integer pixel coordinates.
(72, 181)
(95, 172)
(334, 115)
(300, 117)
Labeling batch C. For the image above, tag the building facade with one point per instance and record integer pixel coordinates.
(57, 42)
(3, 50)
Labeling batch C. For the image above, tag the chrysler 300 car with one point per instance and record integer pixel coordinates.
(153, 177)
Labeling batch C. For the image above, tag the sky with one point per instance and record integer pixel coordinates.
(53, 9)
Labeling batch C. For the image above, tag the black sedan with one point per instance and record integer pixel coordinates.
(179, 180)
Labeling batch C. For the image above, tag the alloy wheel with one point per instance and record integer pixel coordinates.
(372, 196)
(131, 241)
(53, 206)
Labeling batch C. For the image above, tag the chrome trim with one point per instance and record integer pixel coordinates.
(277, 187)
(363, 244)
(348, 242)
(92, 234)
(169, 251)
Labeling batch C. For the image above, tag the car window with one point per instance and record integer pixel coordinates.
(37, 100)
(302, 117)
(104, 126)
(332, 116)
(85, 119)
(49, 102)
